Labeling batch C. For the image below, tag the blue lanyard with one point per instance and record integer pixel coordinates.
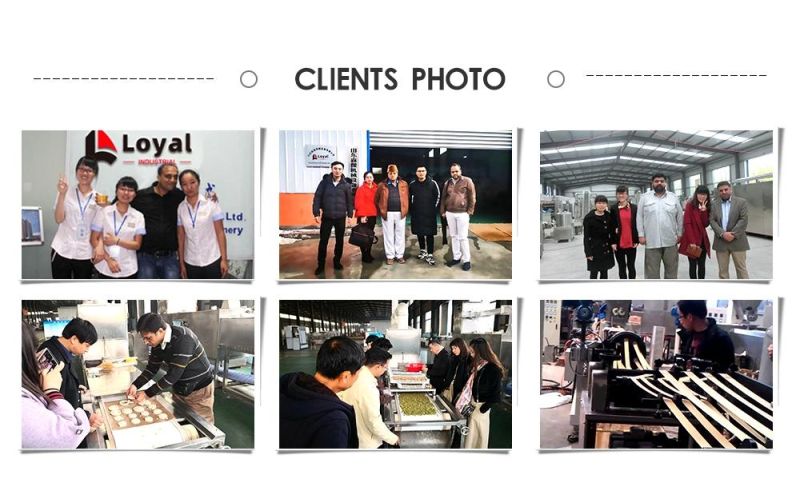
(196, 210)
(82, 207)
(121, 224)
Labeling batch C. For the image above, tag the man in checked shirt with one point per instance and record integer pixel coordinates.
(189, 374)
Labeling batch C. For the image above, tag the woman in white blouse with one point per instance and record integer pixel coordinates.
(75, 208)
(117, 232)
(202, 247)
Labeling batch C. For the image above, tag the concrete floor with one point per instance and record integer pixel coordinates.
(566, 260)
(499, 419)
(490, 260)
(554, 428)
(236, 417)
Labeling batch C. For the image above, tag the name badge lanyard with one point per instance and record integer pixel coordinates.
(82, 207)
(121, 224)
(193, 218)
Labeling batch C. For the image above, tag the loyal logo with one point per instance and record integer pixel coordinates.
(98, 145)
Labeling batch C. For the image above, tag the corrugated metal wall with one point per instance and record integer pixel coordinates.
(442, 138)
(295, 177)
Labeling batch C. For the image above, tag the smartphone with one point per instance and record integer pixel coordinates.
(46, 360)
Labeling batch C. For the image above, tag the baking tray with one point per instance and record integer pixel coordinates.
(121, 414)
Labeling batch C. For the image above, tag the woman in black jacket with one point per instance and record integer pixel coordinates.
(483, 390)
(460, 365)
(598, 239)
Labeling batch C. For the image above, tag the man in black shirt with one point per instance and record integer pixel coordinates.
(701, 337)
(332, 206)
(437, 370)
(158, 256)
(189, 374)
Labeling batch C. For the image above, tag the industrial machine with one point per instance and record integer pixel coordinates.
(629, 403)
(758, 191)
(159, 423)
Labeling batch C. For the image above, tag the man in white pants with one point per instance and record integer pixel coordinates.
(391, 199)
(458, 204)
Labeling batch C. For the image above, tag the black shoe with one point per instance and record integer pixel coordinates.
(466, 266)
(320, 270)
(337, 266)
(452, 263)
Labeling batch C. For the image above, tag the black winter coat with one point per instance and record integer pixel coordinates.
(437, 372)
(488, 386)
(335, 201)
(458, 374)
(598, 236)
(424, 208)
(313, 417)
(715, 346)
(616, 220)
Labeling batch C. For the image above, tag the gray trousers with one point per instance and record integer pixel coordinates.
(652, 262)
(739, 262)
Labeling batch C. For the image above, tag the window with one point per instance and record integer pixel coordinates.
(762, 165)
(720, 174)
(677, 186)
(694, 181)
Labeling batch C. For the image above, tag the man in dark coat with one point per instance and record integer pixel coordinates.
(701, 337)
(425, 195)
(333, 205)
(437, 370)
(311, 414)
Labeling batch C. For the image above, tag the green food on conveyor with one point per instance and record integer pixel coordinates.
(416, 404)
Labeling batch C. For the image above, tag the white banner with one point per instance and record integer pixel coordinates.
(223, 159)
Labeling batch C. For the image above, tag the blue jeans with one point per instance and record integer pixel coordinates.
(164, 266)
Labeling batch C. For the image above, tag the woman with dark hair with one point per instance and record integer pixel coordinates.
(460, 364)
(482, 390)
(598, 239)
(366, 211)
(71, 249)
(694, 242)
(117, 232)
(48, 421)
(202, 246)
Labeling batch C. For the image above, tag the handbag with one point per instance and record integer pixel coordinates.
(361, 235)
(694, 251)
(468, 410)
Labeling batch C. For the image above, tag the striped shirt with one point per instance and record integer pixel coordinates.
(184, 359)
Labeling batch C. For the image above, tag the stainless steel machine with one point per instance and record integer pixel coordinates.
(759, 194)
(179, 428)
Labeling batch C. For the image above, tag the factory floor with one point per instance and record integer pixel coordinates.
(554, 428)
(490, 253)
(566, 260)
(235, 417)
(500, 418)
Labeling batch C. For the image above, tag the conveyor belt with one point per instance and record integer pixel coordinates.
(642, 360)
(687, 425)
(738, 397)
(746, 391)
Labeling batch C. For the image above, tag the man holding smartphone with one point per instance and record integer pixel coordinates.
(76, 338)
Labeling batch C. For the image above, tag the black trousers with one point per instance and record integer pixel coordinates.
(603, 274)
(626, 262)
(210, 271)
(697, 267)
(325, 234)
(67, 268)
(426, 243)
(366, 250)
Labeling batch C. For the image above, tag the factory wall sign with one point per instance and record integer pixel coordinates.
(319, 156)
(136, 149)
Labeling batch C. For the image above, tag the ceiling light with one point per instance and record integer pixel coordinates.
(717, 135)
(671, 150)
(562, 150)
(579, 161)
(653, 161)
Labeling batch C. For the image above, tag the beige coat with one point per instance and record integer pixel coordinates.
(365, 399)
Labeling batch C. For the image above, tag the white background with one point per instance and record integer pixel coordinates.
(181, 38)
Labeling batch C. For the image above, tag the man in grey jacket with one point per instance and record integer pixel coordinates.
(659, 221)
(729, 222)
